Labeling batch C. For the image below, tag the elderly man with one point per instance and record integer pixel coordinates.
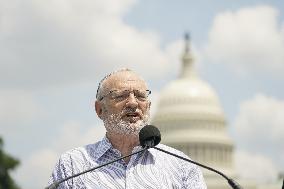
(123, 105)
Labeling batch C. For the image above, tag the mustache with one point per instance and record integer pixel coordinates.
(130, 110)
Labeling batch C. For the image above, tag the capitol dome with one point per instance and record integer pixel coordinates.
(190, 104)
(191, 119)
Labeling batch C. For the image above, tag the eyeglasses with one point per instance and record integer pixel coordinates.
(140, 95)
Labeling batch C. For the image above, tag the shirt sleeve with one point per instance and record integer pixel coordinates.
(193, 177)
(62, 169)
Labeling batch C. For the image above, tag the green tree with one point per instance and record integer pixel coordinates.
(7, 163)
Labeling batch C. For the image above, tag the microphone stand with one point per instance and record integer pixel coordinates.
(231, 182)
(56, 183)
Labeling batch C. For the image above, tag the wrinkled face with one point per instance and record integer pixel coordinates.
(123, 109)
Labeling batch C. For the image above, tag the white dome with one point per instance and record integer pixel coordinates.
(190, 95)
(189, 87)
(189, 103)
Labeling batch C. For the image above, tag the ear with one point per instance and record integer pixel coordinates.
(149, 104)
(99, 109)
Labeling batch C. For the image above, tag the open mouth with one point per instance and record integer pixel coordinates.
(133, 116)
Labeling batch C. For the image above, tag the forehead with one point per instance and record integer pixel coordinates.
(125, 80)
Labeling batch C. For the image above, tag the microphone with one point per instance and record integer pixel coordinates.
(150, 136)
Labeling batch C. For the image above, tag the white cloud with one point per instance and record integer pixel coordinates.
(258, 129)
(73, 130)
(37, 167)
(256, 167)
(250, 39)
(57, 42)
(17, 107)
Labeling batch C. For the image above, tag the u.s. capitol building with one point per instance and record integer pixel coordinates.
(192, 120)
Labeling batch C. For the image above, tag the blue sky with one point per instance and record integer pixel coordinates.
(171, 19)
(53, 54)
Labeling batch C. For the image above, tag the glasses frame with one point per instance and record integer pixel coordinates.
(130, 91)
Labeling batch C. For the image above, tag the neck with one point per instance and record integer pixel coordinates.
(123, 142)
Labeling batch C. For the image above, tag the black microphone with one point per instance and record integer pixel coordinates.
(151, 135)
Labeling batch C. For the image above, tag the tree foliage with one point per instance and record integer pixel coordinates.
(7, 163)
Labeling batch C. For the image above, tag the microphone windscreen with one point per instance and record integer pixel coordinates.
(149, 134)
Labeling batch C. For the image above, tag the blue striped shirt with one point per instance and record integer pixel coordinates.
(152, 169)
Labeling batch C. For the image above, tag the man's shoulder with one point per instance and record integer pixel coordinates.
(81, 152)
(171, 149)
(167, 157)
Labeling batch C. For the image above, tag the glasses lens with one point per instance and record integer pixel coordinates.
(140, 95)
(119, 95)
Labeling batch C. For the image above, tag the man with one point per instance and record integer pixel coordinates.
(123, 105)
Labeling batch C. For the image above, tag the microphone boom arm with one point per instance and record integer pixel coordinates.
(231, 182)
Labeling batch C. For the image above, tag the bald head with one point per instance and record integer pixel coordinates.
(118, 80)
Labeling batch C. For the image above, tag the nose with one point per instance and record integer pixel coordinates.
(132, 101)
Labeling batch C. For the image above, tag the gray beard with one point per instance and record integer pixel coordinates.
(114, 124)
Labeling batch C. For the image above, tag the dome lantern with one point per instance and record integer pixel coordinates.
(187, 69)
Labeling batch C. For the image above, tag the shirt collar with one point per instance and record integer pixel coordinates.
(105, 145)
